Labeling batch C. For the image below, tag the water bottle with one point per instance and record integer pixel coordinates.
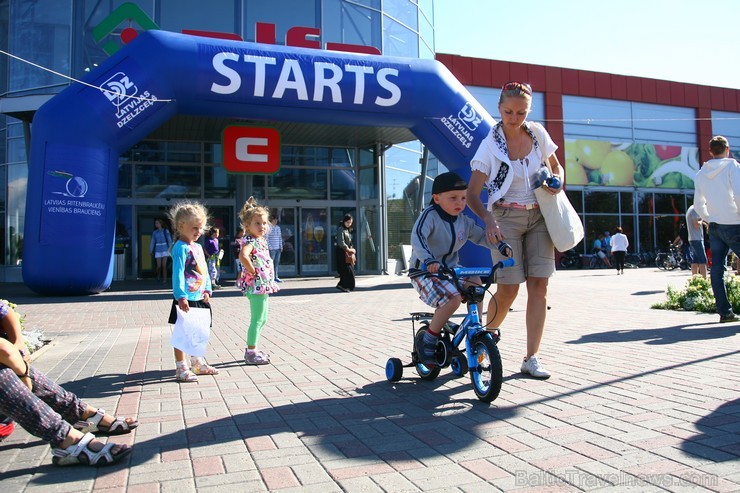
(553, 182)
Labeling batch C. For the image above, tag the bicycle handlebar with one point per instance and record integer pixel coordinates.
(482, 271)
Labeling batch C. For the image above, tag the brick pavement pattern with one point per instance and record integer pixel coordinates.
(640, 399)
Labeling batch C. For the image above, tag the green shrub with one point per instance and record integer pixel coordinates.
(698, 296)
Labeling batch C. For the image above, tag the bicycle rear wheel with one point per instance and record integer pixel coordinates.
(424, 371)
(488, 374)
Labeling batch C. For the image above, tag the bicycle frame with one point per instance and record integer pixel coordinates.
(471, 326)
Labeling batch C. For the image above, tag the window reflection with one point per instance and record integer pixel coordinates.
(298, 183)
(398, 40)
(218, 183)
(607, 202)
(345, 22)
(343, 184)
(167, 181)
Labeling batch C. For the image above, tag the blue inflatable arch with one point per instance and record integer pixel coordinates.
(78, 135)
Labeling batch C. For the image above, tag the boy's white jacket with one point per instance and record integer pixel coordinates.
(717, 191)
(438, 237)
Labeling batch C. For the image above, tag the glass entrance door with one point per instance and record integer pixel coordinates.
(315, 233)
(307, 240)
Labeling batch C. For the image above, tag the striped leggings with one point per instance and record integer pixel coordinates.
(46, 412)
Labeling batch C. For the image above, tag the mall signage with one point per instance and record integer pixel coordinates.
(253, 150)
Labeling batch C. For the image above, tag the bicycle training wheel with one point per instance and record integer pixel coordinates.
(424, 371)
(488, 375)
(394, 370)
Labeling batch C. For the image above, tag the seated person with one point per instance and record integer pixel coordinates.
(438, 235)
(600, 251)
(53, 414)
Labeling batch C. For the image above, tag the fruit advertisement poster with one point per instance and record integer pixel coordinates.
(598, 162)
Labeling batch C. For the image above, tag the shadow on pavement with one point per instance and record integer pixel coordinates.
(716, 441)
(662, 335)
(378, 421)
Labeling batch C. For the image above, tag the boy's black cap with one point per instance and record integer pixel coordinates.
(447, 182)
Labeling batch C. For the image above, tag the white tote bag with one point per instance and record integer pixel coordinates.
(561, 219)
(192, 331)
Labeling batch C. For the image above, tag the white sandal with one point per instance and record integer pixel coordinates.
(80, 453)
(119, 426)
(185, 376)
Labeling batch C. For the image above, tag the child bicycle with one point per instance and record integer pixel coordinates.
(480, 357)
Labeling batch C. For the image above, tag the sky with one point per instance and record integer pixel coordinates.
(679, 40)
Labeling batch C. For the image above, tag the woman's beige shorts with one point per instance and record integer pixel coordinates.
(527, 234)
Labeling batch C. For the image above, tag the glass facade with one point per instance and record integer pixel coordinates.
(73, 37)
(632, 165)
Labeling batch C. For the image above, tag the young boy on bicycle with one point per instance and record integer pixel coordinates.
(438, 235)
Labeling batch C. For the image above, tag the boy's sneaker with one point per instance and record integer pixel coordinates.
(730, 317)
(533, 367)
(426, 351)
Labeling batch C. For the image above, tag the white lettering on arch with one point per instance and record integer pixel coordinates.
(235, 80)
(331, 83)
(291, 77)
(359, 71)
(392, 88)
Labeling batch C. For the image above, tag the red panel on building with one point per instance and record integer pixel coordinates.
(602, 85)
(705, 97)
(691, 93)
(254, 150)
(570, 82)
(649, 91)
(500, 73)
(718, 97)
(619, 87)
(729, 100)
(586, 83)
(536, 77)
(678, 95)
(663, 88)
(553, 79)
(463, 69)
(481, 73)
(519, 72)
(634, 89)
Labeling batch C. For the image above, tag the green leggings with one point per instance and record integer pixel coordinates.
(258, 307)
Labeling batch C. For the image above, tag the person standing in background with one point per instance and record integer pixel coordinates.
(695, 227)
(236, 246)
(160, 248)
(717, 201)
(275, 244)
(619, 245)
(344, 245)
(213, 254)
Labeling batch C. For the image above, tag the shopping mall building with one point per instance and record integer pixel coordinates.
(320, 148)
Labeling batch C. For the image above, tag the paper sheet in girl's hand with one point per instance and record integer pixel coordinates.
(192, 331)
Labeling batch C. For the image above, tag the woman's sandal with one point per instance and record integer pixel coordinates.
(119, 426)
(204, 369)
(81, 453)
(185, 376)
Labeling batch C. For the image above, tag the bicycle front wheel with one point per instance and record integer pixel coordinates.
(488, 373)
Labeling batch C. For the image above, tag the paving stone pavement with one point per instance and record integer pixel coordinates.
(640, 399)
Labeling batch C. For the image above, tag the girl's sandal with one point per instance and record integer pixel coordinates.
(186, 376)
(204, 369)
(81, 453)
(119, 426)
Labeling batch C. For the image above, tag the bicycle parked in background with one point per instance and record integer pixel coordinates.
(670, 260)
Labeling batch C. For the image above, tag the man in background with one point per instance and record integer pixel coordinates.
(717, 200)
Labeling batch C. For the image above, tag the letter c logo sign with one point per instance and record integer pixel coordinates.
(254, 150)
